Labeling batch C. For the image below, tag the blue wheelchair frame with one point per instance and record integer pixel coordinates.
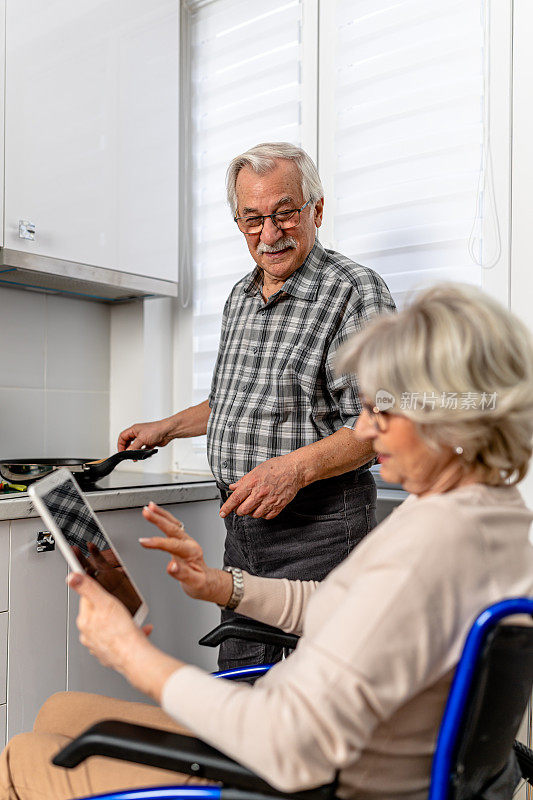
(454, 712)
(449, 732)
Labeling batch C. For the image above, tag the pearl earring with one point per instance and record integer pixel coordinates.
(459, 450)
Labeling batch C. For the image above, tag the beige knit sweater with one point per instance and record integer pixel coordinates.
(364, 691)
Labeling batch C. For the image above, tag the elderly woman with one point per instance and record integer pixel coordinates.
(364, 691)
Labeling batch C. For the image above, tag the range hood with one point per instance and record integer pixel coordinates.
(42, 273)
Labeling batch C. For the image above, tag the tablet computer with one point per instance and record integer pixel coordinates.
(82, 539)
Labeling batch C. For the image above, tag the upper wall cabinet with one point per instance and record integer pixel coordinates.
(91, 146)
(2, 78)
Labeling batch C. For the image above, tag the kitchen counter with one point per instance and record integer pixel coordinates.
(125, 490)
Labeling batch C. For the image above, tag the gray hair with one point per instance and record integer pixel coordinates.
(454, 339)
(262, 159)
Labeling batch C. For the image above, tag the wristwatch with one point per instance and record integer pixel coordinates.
(238, 588)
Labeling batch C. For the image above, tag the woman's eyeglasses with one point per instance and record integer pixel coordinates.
(378, 418)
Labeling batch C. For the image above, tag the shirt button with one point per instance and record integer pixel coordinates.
(255, 349)
(224, 463)
(230, 424)
(245, 387)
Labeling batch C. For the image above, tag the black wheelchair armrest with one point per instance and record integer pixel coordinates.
(251, 631)
(524, 756)
(172, 751)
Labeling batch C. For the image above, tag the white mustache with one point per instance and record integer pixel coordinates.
(281, 244)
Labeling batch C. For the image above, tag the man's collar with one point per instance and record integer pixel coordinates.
(255, 283)
(303, 282)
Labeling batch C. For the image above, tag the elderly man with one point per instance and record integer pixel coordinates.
(296, 491)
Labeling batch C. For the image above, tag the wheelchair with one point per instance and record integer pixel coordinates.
(476, 748)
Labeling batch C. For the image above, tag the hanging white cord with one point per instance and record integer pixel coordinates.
(486, 196)
(184, 245)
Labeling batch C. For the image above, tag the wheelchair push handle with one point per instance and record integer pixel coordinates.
(250, 631)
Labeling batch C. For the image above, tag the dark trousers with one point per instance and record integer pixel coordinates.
(311, 536)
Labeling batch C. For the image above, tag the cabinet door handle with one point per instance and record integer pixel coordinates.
(26, 229)
(45, 542)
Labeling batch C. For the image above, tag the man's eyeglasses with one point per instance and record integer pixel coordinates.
(378, 418)
(283, 220)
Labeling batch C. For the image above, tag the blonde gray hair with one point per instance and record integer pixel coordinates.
(262, 159)
(454, 339)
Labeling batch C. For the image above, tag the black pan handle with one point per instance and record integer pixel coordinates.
(99, 469)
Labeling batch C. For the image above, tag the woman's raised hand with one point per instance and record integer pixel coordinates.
(187, 563)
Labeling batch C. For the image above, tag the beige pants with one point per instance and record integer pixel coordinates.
(26, 771)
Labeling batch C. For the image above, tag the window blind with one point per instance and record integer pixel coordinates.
(245, 88)
(404, 136)
(400, 136)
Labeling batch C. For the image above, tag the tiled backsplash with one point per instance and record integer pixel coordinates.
(54, 376)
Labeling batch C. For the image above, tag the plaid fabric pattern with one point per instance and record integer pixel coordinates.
(274, 387)
(73, 518)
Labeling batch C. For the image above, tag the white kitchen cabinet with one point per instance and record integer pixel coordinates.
(2, 118)
(3, 657)
(4, 565)
(37, 653)
(178, 620)
(92, 132)
(43, 652)
(3, 725)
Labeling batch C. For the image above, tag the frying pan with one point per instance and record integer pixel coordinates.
(23, 470)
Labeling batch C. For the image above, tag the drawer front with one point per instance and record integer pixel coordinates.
(3, 656)
(4, 565)
(3, 725)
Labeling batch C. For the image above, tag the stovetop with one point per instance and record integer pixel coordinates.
(131, 480)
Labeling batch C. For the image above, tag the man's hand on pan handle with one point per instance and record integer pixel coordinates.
(267, 489)
(149, 434)
(189, 422)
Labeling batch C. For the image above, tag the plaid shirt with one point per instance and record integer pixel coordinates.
(274, 386)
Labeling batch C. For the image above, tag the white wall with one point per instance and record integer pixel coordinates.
(141, 372)
(54, 376)
(126, 370)
(521, 283)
